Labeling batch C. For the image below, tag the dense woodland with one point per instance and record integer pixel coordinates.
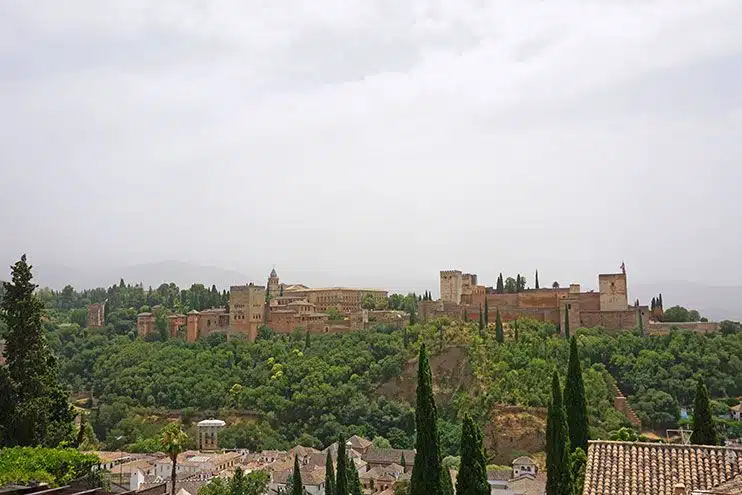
(309, 389)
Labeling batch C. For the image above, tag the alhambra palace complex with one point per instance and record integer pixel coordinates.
(287, 307)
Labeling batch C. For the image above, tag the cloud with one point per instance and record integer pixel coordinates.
(340, 135)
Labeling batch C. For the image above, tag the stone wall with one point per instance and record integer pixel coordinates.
(451, 283)
(96, 315)
(621, 404)
(615, 320)
(656, 328)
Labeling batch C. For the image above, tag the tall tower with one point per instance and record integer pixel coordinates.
(274, 284)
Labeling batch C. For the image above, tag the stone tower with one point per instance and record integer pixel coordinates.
(274, 284)
(451, 284)
(208, 434)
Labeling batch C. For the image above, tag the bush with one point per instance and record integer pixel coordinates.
(55, 466)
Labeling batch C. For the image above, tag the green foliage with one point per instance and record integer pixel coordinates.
(145, 446)
(173, 441)
(354, 481)
(486, 313)
(472, 476)
(22, 465)
(559, 479)
(537, 286)
(679, 314)
(341, 479)
(704, 431)
(33, 405)
(334, 314)
(296, 487)
(574, 399)
(727, 327)
(381, 442)
(500, 288)
(329, 476)
(566, 323)
(426, 473)
(252, 483)
(252, 435)
(656, 409)
(577, 464)
(511, 285)
(499, 333)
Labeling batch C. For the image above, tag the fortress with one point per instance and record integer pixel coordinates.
(281, 307)
(462, 298)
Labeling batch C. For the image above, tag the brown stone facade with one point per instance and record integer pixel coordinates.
(289, 307)
(96, 315)
(607, 308)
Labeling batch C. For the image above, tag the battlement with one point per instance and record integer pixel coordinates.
(450, 273)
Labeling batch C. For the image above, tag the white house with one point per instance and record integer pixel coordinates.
(524, 465)
(736, 412)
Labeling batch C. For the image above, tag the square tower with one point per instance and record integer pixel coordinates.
(451, 285)
(614, 295)
(246, 309)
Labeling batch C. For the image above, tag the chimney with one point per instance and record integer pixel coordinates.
(679, 489)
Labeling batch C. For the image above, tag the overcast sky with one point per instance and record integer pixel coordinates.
(363, 142)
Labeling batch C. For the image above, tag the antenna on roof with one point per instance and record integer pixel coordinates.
(684, 434)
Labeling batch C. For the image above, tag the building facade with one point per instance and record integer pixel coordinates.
(462, 298)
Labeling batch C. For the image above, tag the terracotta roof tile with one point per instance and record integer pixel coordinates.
(652, 468)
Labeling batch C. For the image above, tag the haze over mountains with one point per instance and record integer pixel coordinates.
(714, 302)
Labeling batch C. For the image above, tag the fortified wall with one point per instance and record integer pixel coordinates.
(607, 308)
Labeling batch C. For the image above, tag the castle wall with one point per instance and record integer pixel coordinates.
(246, 309)
(613, 292)
(615, 320)
(656, 328)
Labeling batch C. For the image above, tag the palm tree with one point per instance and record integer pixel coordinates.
(173, 440)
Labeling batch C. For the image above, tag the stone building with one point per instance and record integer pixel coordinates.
(97, 315)
(281, 307)
(207, 434)
(608, 308)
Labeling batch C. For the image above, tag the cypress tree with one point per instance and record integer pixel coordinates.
(704, 432)
(426, 473)
(517, 283)
(33, 405)
(329, 475)
(481, 322)
(499, 334)
(566, 322)
(659, 302)
(574, 401)
(341, 483)
(558, 475)
(354, 482)
(654, 304)
(537, 280)
(472, 477)
(486, 313)
(296, 486)
(403, 462)
(500, 285)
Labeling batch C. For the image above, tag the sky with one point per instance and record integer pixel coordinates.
(350, 142)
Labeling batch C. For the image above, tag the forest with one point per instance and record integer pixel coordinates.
(307, 389)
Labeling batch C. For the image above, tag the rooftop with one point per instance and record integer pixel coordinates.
(636, 467)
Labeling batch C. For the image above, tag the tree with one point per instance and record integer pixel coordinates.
(555, 285)
(403, 462)
(446, 482)
(521, 283)
(161, 324)
(426, 473)
(334, 314)
(296, 487)
(486, 313)
(500, 286)
(566, 322)
(537, 287)
(676, 314)
(341, 483)
(238, 483)
(511, 286)
(558, 481)
(499, 333)
(481, 322)
(354, 482)
(574, 400)
(472, 476)
(517, 283)
(368, 302)
(329, 475)
(173, 441)
(704, 431)
(33, 405)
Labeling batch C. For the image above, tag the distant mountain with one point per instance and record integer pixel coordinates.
(181, 273)
(714, 302)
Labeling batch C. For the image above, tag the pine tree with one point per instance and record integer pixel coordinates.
(472, 476)
(537, 287)
(499, 333)
(426, 473)
(329, 475)
(574, 400)
(296, 487)
(481, 322)
(34, 408)
(566, 322)
(486, 313)
(704, 431)
(558, 476)
(354, 482)
(341, 483)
